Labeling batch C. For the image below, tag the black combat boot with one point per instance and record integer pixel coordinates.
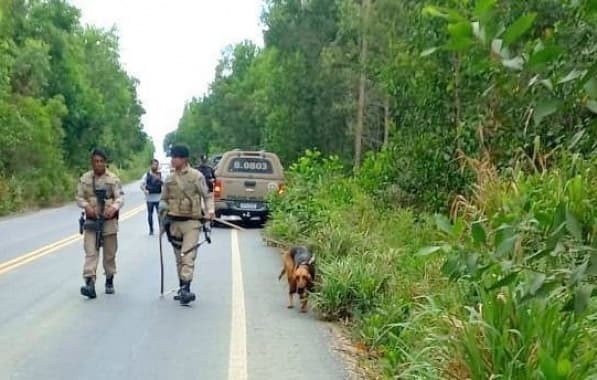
(110, 285)
(177, 296)
(186, 296)
(89, 289)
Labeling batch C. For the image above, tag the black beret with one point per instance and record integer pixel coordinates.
(99, 152)
(179, 151)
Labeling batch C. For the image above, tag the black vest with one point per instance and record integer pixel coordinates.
(152, 184)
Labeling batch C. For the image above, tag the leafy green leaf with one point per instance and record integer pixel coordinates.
(445, 13)
(590, 87)
(444, 224)
(544, 109)
(434, 11)
(546, 289)
(592, 105)
(543, 56)
(451, 268)
(478, 232)
(572, 75)
(459, 44)
(559, 216)
(428, 51)
(483, 7)
(462, 29)
(564, 368)
(579, 274)
(548, 365)
(548, 84)
(472, 261)
(576, 138)
(519, 28)
(506, 246)
(536, 282)
(505, 281)
(582, 297)
(573, 225)
(502, 233)
(428, 250)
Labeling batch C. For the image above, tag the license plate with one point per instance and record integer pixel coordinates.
(248, 206)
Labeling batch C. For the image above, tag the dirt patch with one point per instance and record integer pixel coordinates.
(359, 364)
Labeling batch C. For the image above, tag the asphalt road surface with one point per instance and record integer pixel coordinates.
(239, 327)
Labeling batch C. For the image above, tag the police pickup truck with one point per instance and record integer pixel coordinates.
(243, 179)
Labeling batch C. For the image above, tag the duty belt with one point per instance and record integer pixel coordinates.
(180, 218)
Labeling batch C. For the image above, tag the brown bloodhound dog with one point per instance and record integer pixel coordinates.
(300, 271)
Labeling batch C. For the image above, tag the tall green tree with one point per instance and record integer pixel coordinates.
(428, 84)
(62, 92)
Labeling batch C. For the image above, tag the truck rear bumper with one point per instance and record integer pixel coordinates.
(241, 210)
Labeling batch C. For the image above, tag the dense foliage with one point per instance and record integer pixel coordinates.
(62, 92)
(440, 83)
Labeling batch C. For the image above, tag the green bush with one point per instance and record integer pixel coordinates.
(350, 286)
(513, 340)
(526, 266)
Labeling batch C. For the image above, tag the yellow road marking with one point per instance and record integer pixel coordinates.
(237, 365)
(38, 251)
(53, 247)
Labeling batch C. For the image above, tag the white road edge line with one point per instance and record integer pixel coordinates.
(237, 365)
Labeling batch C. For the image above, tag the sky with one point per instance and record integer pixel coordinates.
(172, 47)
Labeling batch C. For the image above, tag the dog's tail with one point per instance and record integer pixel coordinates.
(282, 273)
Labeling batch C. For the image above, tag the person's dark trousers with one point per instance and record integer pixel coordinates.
(150, 207)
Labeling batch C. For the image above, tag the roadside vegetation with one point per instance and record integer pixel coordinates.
(464, 246)
(442, 163)
(62, 92)
(501, 287)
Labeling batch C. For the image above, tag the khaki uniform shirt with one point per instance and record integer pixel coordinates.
(190, 201)
(114, 194)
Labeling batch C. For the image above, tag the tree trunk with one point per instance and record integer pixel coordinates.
(358, 140)
(457, 102)
(386, 120)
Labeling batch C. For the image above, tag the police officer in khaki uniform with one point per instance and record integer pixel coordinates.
(185, 203)
(99, 179)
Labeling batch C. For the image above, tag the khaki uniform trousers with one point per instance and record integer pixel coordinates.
(92, 256)
(187, 232)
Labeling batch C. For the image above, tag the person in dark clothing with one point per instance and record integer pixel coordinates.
(151, 184)
(207, 171)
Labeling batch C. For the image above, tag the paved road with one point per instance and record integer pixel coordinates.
(238, 328)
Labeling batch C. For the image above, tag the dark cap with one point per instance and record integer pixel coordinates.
(179, 151)
(99, 152)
